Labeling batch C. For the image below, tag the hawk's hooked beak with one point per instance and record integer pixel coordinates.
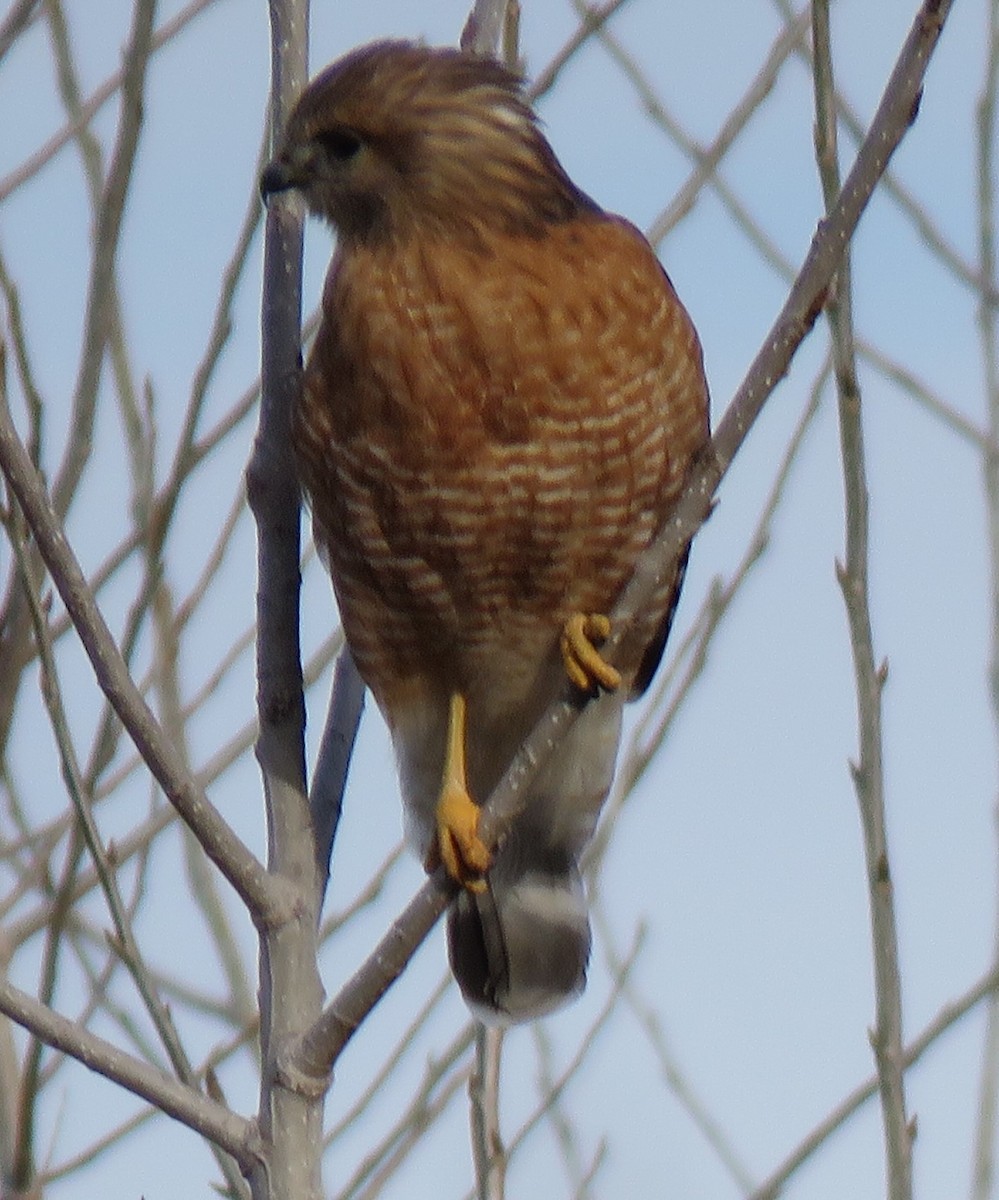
(277, 177)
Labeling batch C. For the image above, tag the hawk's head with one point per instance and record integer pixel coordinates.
(397, 138)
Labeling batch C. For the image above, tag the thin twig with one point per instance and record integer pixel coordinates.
(202, 881)
(187, 451)
(906, 202)
(266, 897)
(673, 1075)
(416, 1127)
(189, 605)
(240, 411)
(107, 232)
(706, 159)
(705, 173)
(659, 714)
(137, 842)
(368, 894)
(488, 1152)
(405, 1042)
(16, 21)
(946, 1019)
(71, 1166)
(560, 1121)
(97, 100)
(443, 1076)
(593, 20)
(109, 197)
(233, 1133)
(596, 1162)
(125, 945)
(868, 775)
(983, 1162)
(551, 1095)
(983, 441)
(484, 27)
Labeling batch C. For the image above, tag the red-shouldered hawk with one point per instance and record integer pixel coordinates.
(501, 406)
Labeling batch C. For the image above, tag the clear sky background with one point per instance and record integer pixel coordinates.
(741, 849)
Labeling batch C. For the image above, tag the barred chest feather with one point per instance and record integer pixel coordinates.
(489, 436)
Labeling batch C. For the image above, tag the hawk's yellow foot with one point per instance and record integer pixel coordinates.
(465, 856)
(581, 634)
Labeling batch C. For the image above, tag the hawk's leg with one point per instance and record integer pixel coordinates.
(581, 634)
(464, 854)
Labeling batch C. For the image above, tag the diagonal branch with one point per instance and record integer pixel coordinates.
(95, 102)
(321, 1046)
(265, 897)
(15, 22)
(227, 1129)
(124, 942)
(949, 1016)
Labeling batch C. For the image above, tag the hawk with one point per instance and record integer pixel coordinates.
(498, 414)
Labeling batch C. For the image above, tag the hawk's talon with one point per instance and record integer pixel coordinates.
(459, 848)
(583, 663)
(464, 854)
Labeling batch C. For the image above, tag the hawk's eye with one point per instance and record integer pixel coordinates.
(340, 145)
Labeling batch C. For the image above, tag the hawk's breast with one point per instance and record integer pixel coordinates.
(490, 436)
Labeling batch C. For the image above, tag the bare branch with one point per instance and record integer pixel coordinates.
(983, 1164)
(593, 20)
(106, 235)
(946, 1019)
(488, 1152)
(100, 97)
(440, 1082)
(561, 1123)
(126, 946)
(291, 992)
(264, 896)
(868, 775)
(672, 1073)
(330, 777)
(16, 21)
(139, 839)
(483, 29)
(233, 1133)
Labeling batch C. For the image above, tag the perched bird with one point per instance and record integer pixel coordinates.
(499, 411)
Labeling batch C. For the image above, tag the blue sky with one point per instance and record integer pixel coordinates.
(741, 849)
